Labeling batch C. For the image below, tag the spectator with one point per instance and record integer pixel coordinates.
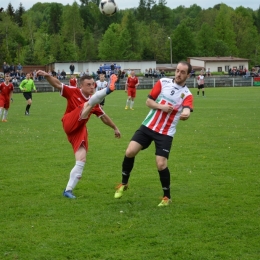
(12, 67)
(19, 68)
(208, 74)
(5, 68)
(72, 68)
(192, 74)
(87, 72)
(63, 74)
(59, 75)
(112, 67)
(162, 73)
(146, 74)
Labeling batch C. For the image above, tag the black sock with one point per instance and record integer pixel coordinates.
(198, 92)
(28, 108)
(127, 166)
(165, 181)
(202, 93)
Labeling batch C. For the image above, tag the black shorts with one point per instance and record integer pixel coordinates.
(27, 95)
(201, 86)
(144, 136)
(102, 103)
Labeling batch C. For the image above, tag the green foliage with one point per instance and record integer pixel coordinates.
(214, 166)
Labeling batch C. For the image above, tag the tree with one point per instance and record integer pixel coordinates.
(224, 28)
(18, 15)
(10, 11)
(141, 11)
(206, 41)
(183, 43)
(54, 21)
(72, 28)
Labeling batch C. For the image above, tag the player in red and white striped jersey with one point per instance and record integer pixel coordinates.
(169, 101)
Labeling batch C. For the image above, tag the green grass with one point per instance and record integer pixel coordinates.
(214, 164)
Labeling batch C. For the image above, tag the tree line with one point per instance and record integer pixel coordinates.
(52, 32)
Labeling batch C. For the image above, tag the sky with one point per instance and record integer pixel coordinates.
(123, 4)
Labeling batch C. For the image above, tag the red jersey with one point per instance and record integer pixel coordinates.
(76, 98)
(5, 90)
(73, 82)
(132, 81)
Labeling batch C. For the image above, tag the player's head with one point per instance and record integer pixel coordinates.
(7, 77)
(132, 73)
(28, 75)
(101, 77)
(87, 85)
(182, 72)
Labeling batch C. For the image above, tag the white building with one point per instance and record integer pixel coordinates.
(218, 64)
(137, 66)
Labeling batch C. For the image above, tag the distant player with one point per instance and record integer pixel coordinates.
(26, 86)
(6, 93)
(101, 84)
(200, 81)
(73, 81)
(131, 85)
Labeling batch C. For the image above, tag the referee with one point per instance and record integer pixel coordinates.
(26, 86)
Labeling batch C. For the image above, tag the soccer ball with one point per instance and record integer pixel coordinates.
(108, 7)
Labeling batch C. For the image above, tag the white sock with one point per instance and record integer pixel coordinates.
(5, 114)
(1, 111)
(75, 175)
(97, 97)
(127, 102)
(131, 104)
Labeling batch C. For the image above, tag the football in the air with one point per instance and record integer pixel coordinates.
(108, 7)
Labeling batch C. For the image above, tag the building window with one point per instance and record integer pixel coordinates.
(241, 67)
(227, 68)
(219, 69)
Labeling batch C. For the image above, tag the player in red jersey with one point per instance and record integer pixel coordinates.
(73, 81)
(81, 103)
(6, 93)
(130, 87)
(169, 101)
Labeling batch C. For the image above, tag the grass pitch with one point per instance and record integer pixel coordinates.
(214, 164)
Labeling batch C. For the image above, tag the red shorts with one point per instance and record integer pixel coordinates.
(131, 92)
(4, 102)
(76, 129)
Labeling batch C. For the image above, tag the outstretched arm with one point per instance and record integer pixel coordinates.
(108, 121)
(52, 80)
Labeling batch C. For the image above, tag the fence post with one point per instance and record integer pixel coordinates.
(252, 81)
(214, 81)
(233, 82)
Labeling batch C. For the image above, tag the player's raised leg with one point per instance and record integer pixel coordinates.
(98, 97)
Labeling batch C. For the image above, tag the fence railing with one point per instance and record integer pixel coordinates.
(148, 83)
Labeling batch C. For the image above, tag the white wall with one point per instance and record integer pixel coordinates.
(93, 66)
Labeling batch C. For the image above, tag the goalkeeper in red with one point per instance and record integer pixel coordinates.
(81, 103)
(169, 101)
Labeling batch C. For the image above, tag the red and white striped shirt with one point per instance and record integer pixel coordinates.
(166, 92)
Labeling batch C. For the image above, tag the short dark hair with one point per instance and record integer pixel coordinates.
(84, 77)
(187, 64)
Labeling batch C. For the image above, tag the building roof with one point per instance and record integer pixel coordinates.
(215, 59)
